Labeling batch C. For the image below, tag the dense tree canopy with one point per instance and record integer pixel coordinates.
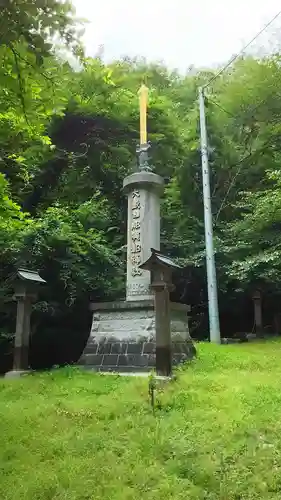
(68, 138)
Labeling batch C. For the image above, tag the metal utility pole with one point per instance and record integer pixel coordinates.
(209, 245)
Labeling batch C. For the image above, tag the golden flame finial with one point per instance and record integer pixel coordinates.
(143, 99)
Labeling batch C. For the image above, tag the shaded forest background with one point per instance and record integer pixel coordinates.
(68, 138)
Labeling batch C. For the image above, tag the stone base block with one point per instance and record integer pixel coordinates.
(122, 337)
(17, 373)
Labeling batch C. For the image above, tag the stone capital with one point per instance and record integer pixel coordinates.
(144, 180)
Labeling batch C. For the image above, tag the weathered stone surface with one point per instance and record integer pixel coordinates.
(104, 348)
(93, 359)
(143, 231)
(91, 348)
(122, 305)
(118, 348)
(133, 362)
(151, 359)
(122, 369)
(149, 348)
(133, 347)
(110, 359)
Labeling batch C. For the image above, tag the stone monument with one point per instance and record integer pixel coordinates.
(122, 336)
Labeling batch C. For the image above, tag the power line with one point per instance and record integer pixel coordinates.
(239, 165)
(241, 51)
(220, 107)
(229, 188)
(250, 111)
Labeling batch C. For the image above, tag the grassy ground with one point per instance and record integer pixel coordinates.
(216, 434)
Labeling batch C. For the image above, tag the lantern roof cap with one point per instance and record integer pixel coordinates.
(159, 258)
(29, 275)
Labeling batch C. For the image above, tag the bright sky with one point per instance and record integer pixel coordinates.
(179, 32)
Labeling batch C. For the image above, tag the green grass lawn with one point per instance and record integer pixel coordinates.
(216, 434)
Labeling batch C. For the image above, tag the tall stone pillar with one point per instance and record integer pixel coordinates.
(143, 232)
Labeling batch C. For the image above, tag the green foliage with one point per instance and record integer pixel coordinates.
(13, 223)
(73, 252)
(68, 138)
(37, 23)
(257, 233)
(92, 436)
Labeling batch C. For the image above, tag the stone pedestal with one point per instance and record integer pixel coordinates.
(17, 373)
(123, 336)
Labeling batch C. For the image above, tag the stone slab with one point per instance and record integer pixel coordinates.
(17, 373)
(125, 305)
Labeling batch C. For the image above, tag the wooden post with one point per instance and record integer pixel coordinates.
(258, 312)
(22, 333)
(161, 267)
(163, 331)
(25, 285)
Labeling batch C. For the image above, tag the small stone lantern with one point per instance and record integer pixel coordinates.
(25, 285)
(161, 269)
